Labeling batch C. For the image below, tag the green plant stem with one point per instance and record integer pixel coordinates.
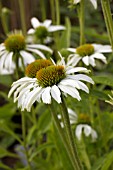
(22, 16)
(24, 139)
(108, 19)
(70, 136)
(52, 6)
(63, 137)
(57, 5)
(43, 9)
(81, 14)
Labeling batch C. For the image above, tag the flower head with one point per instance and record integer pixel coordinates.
(88, 53)
(49, 83)
(15, 47)
(41, 29)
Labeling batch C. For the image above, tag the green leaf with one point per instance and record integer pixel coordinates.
(7, 111)
(4, 153)
(4, 166)
(98, 164)
(106, 80)
(99, 94)
(108, 161)
(41, 148)
(6, 79)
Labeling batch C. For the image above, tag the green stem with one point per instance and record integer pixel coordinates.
(57, 5)
(52, 6)
(70, 136)
(108, 19)
(81, 14)
(24, 139)
(43, 9)
(22, 15)
(63, 137)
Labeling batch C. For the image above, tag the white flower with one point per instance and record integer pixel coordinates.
(94, 2)
(47, 24)
(87, 130)
(14, 46)
(88, 53)
(49, 83)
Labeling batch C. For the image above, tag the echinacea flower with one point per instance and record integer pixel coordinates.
(94, 2)
(49, 82)
(82, 121)
(41, 29)
(15, 48)
(88, 53)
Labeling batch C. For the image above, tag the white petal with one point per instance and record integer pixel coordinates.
(77, 69)
(31, 31)
(55, 92)
(37, 52)
(87, 130)
(92, 61)
(47, 23)
(56, 28)
(71, 49)
(102, 48)
(83, 87)
(35, 22)
(73, 60)
(94, 134)
(94, 2)
(78, 131)
(39, 46)
(70, 90)
(70, 82)
(86, 60)
(8, 62)
(27, 57)
(2, 60)
(99, 56)
(46, 97)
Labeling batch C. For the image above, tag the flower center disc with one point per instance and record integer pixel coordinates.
(41, 32)
(50, 76)
(15, 43)
(35, 66)
(84, 118)
(85, 50)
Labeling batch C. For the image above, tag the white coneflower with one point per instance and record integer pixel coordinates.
(41, 29)
(88, 53)
(16, 48)
(49, 83)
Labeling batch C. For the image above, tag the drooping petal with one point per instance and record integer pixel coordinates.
(99, 56)
(72, 49)
(46, 97)
(76, 1)
(55, 92)
(81, 77)
(2, 60)
(87, 130)
(39, 46)
(76, 69)
(83, 87)
(8, 62)
(73, 59)
(56, 28)
(70, 82)
(35, 22)
(70, 90)
(27, 57)
(86, 60)
(92, 61)
(94, 2)
(78, 131)
(37, 52)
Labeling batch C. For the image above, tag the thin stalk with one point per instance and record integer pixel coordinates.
(63, 137)
(43, 9)
(108, 19)
(24, 139)
(22, 16)
(70, 136)
(52, 8)
(57, 5)
(81, 14)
